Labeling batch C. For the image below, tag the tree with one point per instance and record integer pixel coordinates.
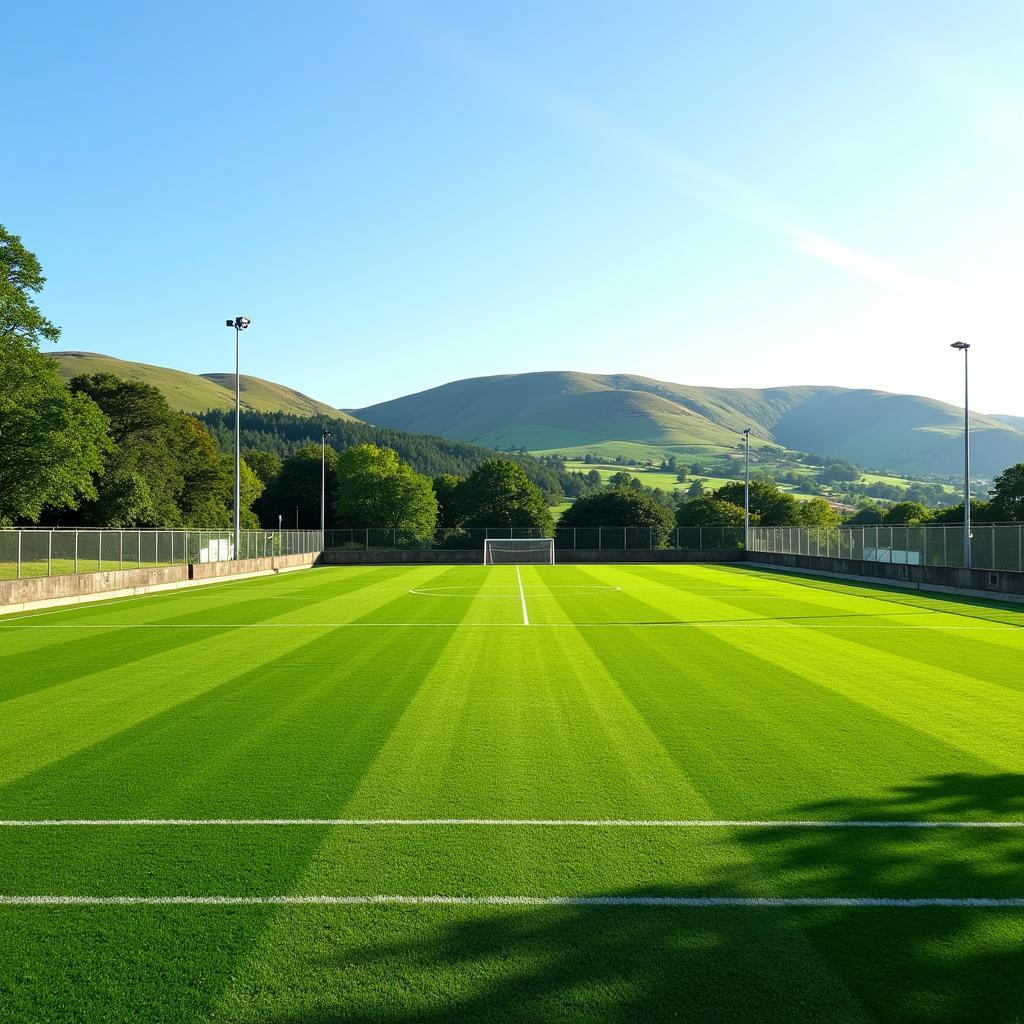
(870, 515)
(817, 512)
(498, 493)
(266, 465)
(621, 507)
(620, 479)
(297, 487)
(708, 510)
(906, 513)
(148, 442)
(51, 442)
(21, 276)
(772, 506)
(446, 491)
(1008, 494)
(376, 489)
(207, 490)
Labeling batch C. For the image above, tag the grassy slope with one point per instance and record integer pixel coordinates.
(577, 412)
(470, 714)
(198, 393)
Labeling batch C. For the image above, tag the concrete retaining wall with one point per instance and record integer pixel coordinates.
(250, 566)
(1003, 586)
(48, 591)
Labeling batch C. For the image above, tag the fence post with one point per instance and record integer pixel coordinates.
(76, 552)
(156, 546)
(18, 569)
(120, 549)
(99, 553)
(49, 552)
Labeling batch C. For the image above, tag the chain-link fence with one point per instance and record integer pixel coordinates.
(998, 546)
(29, 553)
(591, 538)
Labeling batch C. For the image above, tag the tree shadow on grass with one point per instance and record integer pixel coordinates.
(737, 964)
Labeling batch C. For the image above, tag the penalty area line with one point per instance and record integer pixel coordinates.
(683, 902)
(639, 823)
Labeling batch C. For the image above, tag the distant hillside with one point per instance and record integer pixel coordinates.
(194, 393)
(576, 412)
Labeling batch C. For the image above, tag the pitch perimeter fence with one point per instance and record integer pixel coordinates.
(995, 546)
(571, 538)
(25, 554)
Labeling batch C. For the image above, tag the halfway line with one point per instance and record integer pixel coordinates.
(515, 901)
(522, 598)
(507, 823)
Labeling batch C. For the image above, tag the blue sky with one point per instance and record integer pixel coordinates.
(399, 194)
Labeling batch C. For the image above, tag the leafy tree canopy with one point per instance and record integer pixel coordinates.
(22, 324)
(708, 510)
(294, 493)
(906, 513)
(817, 512)
(870, 515)
(498, 493)
(266, 465)
(1008, 494)
(51, 443)
(772, 506)
(620, 506)
(445, 489)
(376, 489)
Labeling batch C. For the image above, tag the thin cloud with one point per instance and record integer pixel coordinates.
(730, 196)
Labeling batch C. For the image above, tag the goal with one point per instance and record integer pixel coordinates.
(525, 551)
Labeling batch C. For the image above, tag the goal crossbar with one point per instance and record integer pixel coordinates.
(519, 551)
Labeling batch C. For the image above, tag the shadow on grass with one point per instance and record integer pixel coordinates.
(441, 964)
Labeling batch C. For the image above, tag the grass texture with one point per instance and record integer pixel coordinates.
(637, 694)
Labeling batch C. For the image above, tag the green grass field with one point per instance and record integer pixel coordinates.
(378, 794)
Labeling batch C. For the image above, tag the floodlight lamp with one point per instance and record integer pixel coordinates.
(242, 322)
(961, 345)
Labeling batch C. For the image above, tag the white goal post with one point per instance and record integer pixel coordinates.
(519, 551)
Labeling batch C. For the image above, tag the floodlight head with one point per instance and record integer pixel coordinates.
(230, 323)
(242, 322)
(962, 345)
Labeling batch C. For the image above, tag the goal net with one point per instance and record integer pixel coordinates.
(535, 551)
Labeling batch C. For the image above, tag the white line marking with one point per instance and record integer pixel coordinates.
(522, 598)
(737, 624)
(697, 902)
(683, 823)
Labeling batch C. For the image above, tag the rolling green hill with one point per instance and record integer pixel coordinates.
(192, 392)
(578, 412)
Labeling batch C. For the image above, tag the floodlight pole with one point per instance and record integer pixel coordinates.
(324, 434)
(746, 488)
(240, 323)
(963, 346)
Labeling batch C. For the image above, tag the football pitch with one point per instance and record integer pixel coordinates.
(537, 793)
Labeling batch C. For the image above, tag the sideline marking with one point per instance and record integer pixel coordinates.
(517, 901)
(522, 597)
(511, 823)
(673, 624)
